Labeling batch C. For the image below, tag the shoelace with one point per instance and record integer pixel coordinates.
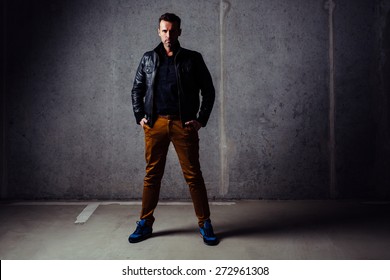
(208, 231)
(139, 228)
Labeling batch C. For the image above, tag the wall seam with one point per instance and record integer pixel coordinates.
(4, 177)
(224, 179)
(333, 191)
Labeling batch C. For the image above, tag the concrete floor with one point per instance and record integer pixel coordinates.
(281, 230)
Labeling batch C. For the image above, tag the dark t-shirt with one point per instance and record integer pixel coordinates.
(167, 97)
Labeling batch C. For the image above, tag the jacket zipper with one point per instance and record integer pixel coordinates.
(180, 90)
(156, 64)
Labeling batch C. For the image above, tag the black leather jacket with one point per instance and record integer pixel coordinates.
(193, 78)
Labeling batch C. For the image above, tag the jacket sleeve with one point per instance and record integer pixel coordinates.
(207, 92)
(138, 92)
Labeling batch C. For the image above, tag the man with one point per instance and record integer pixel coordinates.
(166, 103)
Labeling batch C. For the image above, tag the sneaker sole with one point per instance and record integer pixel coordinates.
(210, 243)
(140, 239)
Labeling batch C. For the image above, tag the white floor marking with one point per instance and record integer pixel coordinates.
(91, 206)
(86, 213)
(59, 203)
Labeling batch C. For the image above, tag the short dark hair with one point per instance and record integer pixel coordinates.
(171, 18)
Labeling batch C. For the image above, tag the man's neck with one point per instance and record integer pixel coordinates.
(170, 51)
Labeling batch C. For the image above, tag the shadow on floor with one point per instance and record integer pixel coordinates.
(356, 216)
(172, 232)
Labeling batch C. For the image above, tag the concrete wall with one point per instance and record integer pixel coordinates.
(68, 130)
(362, 91)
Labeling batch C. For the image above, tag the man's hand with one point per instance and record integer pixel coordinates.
(195, 124)
(143, 122)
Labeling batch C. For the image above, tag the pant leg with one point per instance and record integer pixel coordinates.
(186, 143)
(156, 148)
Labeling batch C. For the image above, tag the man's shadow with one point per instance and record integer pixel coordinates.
(180, 231)
(354, 215)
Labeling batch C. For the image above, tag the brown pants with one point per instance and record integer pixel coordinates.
(186, 143)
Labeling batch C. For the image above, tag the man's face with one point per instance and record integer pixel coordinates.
(169, 32)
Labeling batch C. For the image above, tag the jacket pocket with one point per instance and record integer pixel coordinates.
(186, 67)
(148, 69)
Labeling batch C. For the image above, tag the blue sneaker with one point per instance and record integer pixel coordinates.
(208, 235)
(142, 232)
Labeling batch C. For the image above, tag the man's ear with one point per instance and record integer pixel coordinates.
(179, 32)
